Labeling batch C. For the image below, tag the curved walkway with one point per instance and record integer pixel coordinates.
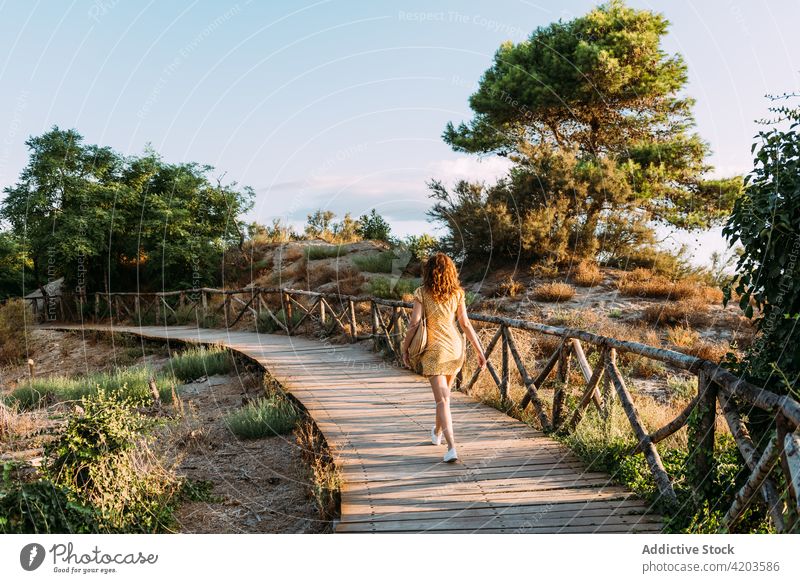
(377, 418)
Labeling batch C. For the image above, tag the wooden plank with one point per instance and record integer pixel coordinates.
(376, 419)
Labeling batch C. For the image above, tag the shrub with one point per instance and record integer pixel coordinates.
(510, 287)
(273, 415)
(646, 284)
(313, 252)
(103, 458)
(381, 287)
(42, 507)
(684, 388)
(713, 351)
(328, 273)
(421, 246)
(546, 268)
(15, 319)
(375, 262)
(685, 312)
(587, 274)
(553, 292)
(682, 336)
(200, 361)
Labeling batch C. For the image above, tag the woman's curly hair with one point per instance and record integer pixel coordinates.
(440, 277)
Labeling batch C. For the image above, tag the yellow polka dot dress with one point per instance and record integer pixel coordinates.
(446, 347)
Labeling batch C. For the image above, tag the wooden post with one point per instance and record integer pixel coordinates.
(157, 304)
(351, 315)
(322, 311)
(745, 495)
(288, 312)
(204, 301)
(539, 380)
(583, 363)
(227, 303)
(563, 378)
(653, 459)
(504, 372)
(530, 385)
(373, 312)
(791, 447)
(96, 306)
(701, 438)
(748, 450)
(784, 431)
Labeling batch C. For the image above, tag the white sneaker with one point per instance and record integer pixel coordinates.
(436, 438)
(451, 455)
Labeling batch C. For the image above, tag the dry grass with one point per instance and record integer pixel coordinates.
(15, 319)
(327, 273)
(644, 283)
(14, 423)
(553, 292)
(587, 274)
(326, 480)
(510, 287)
(352, 284)
(682, 336)
(690, 312)
(713, 351)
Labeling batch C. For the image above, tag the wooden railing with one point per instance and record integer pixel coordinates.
(385, 321)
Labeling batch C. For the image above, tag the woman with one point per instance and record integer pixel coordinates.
(440, 299)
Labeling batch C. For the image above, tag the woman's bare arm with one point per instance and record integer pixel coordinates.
(466, 326)
(414, 320)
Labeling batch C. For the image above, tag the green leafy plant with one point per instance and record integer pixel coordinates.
(103, 456)
(42, 507)
(766, 221)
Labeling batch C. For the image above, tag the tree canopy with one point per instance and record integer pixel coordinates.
(105, 221)
(599, 98)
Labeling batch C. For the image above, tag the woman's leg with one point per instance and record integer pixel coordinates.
(439, 423)
(441, 392)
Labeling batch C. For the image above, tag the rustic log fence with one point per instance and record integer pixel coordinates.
(384, 321)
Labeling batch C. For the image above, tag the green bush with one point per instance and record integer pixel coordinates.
(421, 246)
(103, 456)
(606, 446)
(381, 287)
(42, 507)
(375, 262)
(273, 415)
(197, 362)
(324, 251)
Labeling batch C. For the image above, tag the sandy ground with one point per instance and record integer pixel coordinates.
(260, 485)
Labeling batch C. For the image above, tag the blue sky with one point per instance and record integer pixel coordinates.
(336, 104)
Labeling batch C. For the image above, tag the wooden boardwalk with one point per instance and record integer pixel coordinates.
(377, 419)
